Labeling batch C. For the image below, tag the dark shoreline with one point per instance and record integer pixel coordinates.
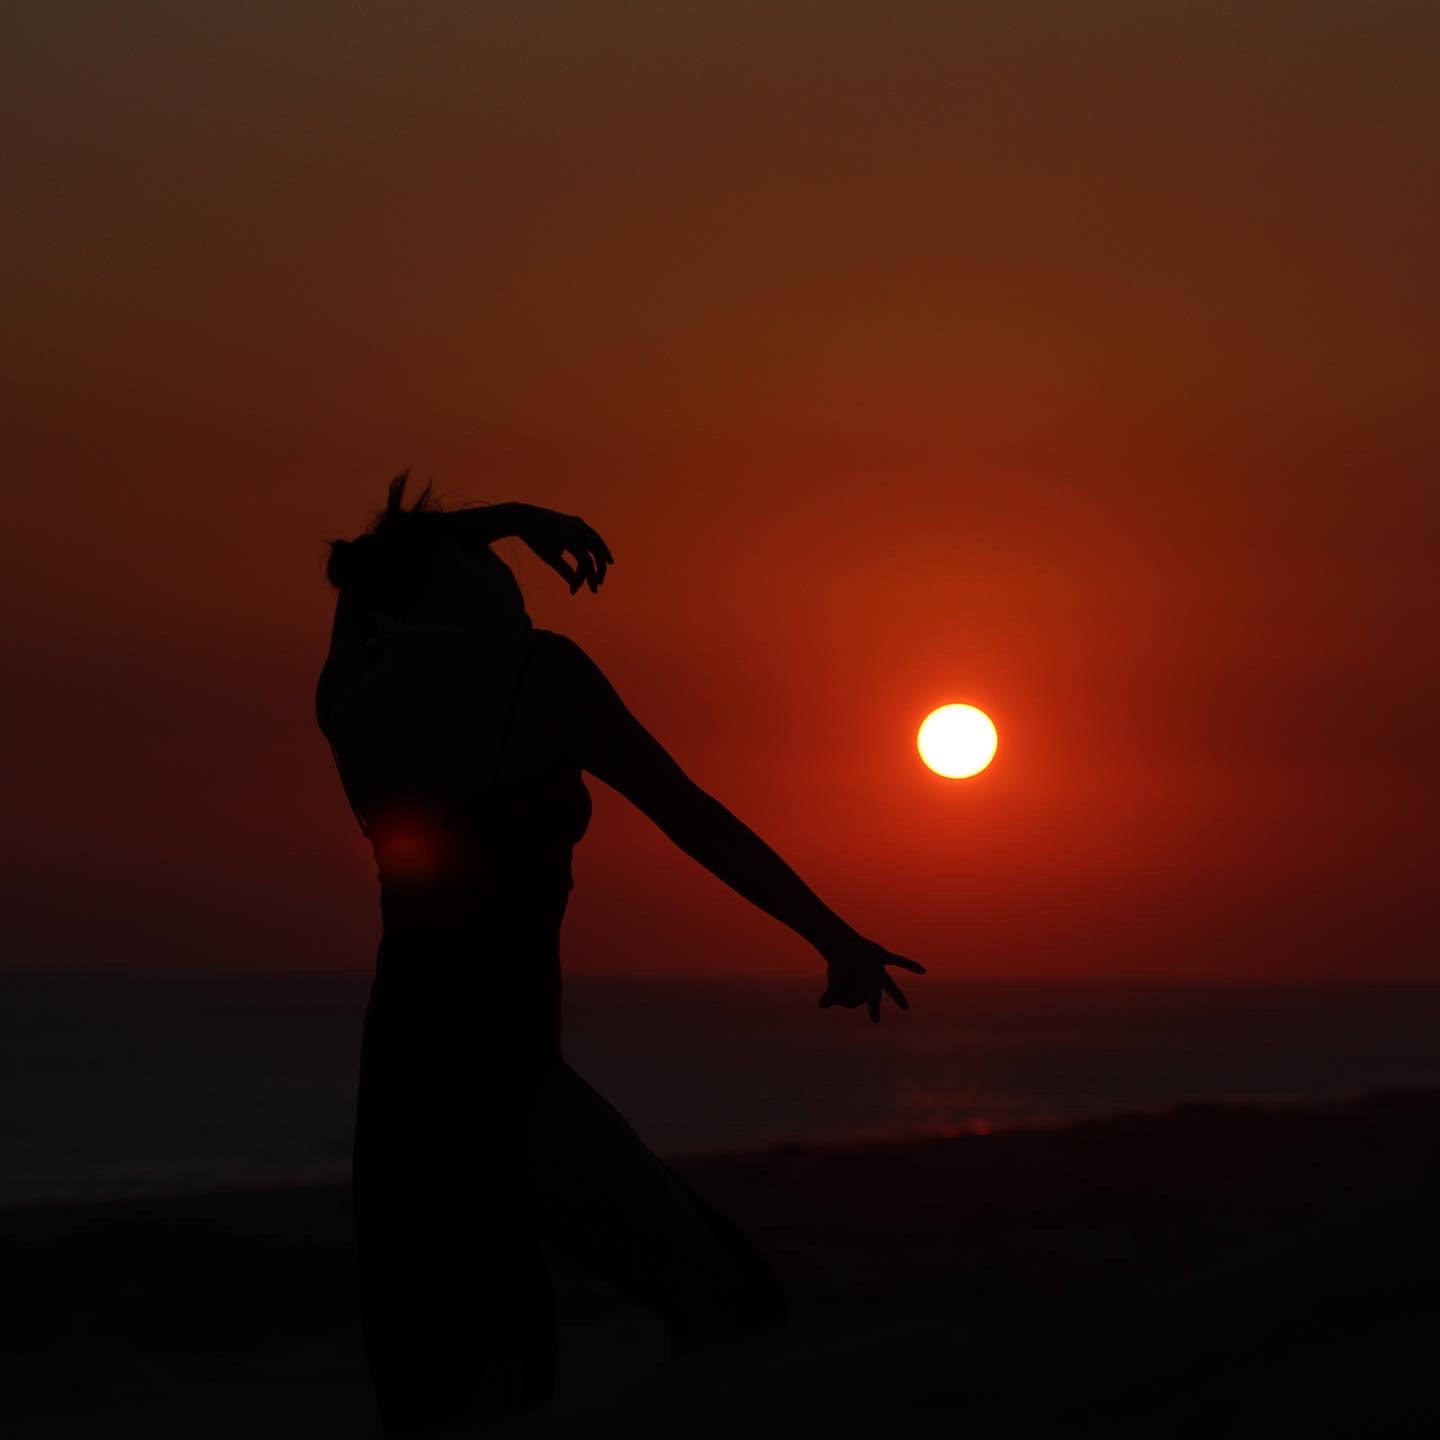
(1176, 1272)
(48, 1214)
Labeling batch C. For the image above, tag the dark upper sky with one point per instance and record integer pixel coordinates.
(1079, 361)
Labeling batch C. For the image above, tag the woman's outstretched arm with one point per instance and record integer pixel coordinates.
(598, 729)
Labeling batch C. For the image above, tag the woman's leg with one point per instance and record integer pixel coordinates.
(602, 1197)
(457, 1308)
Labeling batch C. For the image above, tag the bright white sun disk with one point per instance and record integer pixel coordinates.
(957, 741)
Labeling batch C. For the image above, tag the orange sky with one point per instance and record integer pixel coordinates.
(1076, 361)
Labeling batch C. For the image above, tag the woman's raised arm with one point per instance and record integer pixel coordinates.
(594, 725)
(551, 534)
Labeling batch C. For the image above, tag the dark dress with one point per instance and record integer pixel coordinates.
(474, 1141)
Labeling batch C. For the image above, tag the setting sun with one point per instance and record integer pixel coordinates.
(957, 741)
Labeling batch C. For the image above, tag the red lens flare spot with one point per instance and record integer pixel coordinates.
(408, 853)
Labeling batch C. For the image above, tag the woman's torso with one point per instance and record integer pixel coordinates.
(471, 812)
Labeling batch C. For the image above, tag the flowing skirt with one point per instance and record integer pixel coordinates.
(475, 1145)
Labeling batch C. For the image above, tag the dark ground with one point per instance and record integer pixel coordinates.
(1214, 1271)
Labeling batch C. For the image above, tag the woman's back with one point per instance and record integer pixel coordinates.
(435, 736)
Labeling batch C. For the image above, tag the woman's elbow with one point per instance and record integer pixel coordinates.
(673, 802)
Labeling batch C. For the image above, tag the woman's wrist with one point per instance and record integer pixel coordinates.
(507, 518)
(485, 524)
(830, 934)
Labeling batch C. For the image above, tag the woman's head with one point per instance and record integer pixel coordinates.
(424, 556)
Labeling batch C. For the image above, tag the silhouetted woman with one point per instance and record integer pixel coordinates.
(461, 733)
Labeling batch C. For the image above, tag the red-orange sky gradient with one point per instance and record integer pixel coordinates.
(1076, 361)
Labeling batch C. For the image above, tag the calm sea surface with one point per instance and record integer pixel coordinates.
(115, 1086)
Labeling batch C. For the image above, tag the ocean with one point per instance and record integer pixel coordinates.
(114, 1086)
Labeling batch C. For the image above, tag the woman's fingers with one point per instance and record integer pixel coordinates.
(582, 572)
(914, 966)
(601, 550)
(590, 566)
(868, 988)
(894, 991)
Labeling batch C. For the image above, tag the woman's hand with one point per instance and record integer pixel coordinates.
(552, 536)
(855, 975)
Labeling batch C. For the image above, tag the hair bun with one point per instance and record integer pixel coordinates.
(348, 562)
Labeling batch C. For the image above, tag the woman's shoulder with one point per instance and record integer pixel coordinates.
(568, 678)
(560, 654)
